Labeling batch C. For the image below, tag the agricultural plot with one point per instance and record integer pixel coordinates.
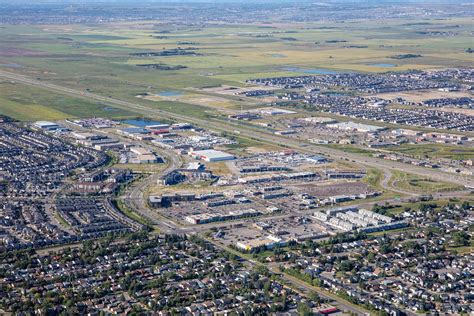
(109, 59)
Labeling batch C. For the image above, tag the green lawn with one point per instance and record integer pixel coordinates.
(352, 149)
(414, 183)
(436, 151)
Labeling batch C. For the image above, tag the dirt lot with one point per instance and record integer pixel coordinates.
(229, 90)
(421, 95)
(323, 191)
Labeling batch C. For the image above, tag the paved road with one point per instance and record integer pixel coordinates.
(135, 195)
(362, 204)
(252, 132)
(296, 284)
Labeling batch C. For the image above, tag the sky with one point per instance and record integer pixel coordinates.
(218, 1)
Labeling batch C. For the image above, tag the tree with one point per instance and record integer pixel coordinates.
(465, 205)
(314, 297)
(303, 309)
(266, 287)
(346, 265)
(460, 238)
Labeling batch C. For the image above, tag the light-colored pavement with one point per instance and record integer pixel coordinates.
(135, 198)
(253, 133)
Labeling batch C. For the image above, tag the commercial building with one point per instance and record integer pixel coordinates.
(86, 136)
(140, 150)
(168, 199)
(318, 120)
(144, 159)
(268, 242)
(46, 126)
(274, 111)
(109, 146)
(133, 131)
(357, 127)
(211, 155)
(158, 126)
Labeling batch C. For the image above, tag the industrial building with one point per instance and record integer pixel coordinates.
(211, 155)
(133, 131)
(267, 242)
(357, 127)
(46, 126)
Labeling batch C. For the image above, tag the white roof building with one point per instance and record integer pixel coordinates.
(46, 125)
(352, 126)
(212, 155)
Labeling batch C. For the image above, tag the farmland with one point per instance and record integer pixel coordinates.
(236, 157)
(103, 59)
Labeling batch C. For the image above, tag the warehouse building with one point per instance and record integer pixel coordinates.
(46, 126)
(356, 127)
(133, 131)
(267, 242)
(211, 155)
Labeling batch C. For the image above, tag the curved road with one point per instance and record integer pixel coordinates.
(134, 197)
(135, 200)
(253, 133)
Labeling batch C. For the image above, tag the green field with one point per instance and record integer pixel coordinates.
(27, 104)
(413, 183)
(413, 206)
(352, 149)
(98, 58)
(436, 151)
(373, 178)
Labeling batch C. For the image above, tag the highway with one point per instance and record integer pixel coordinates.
(252, 133)
(135, 199)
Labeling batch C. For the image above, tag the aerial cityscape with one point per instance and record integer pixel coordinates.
(229, 157)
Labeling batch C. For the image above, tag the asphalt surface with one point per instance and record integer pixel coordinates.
(135, 195)
(253, 133)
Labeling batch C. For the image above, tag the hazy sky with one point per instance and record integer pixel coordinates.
(210, 1)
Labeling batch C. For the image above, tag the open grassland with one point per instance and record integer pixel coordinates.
(416, 184)
(25, 103)
(100, 57)
(436, 151)
(373, 178)
(414, 206)
(352, 149)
